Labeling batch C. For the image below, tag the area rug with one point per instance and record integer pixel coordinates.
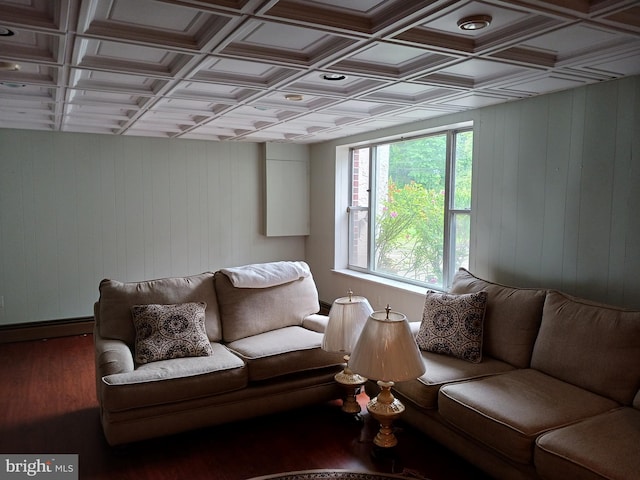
(333, 475)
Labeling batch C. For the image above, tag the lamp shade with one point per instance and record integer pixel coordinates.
(347, 317)
(386, 349)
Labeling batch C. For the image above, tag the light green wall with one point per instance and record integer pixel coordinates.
(556, 197)
(77, 208)
(557, 191)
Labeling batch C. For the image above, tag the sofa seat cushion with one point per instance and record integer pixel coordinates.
(174, 380)
(283, 351)
(604, 446)
(443, 369)
(507, 412)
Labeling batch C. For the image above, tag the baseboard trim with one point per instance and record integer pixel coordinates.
(43, 330)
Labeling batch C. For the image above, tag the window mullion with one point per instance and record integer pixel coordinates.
(448, 193)
(373, 207)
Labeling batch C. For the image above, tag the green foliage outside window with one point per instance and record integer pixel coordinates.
(410, 219)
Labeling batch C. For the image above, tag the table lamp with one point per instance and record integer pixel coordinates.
(387, 352)
(347, 317)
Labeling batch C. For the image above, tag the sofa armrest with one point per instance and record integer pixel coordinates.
(316, 322)
(112, 356)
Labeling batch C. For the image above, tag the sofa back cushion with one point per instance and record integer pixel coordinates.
(511, 320)
(116, 299)
(250, 311)
(591, 345)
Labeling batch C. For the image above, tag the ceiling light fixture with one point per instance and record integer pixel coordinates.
(333, 77)
(294, 97)
(9, 66)
(5, 32)
(474, 22)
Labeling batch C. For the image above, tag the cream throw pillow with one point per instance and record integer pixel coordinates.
(452, 324)
(170, 331)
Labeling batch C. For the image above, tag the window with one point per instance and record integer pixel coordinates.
(410, 208)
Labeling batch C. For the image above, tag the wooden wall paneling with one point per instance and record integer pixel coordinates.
(89, 221)
(253, 242)
(632, 258)
(66, 226)
(12, 230)
(130, 210)
(509, 196)
(235, 200)
(571, 232)
(160, 210)
(497, 160)
(78, 208)
(482, 186)
(238, 200)
(107, 212)
(121, 157)
(555, 183)
(22, 207)
(531, 188)
(621, 159)
(216, 208)
(596, 189)
(178, 208)
(195, 240)
(149, 161)
(226, 220)
(46, 246)
(623, 263)
(4, 182)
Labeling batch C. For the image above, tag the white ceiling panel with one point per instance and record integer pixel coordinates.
(299, 71)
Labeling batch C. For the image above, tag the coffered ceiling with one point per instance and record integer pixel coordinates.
(297, 71)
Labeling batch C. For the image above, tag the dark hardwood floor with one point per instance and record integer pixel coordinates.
(48, 405)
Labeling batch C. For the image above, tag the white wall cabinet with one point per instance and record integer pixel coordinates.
(287, 205)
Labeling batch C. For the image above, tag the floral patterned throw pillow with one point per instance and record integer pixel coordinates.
(170, 331)
(452, 324)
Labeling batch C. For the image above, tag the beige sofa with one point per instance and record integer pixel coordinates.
(264, 356)
(555, 395)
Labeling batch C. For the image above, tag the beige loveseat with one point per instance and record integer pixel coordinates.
(261, 352)
(555, 394)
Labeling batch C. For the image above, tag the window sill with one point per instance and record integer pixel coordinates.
(386, 282)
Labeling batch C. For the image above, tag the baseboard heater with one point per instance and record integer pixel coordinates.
(23, 332)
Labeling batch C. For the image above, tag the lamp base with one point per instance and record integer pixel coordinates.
(385, 408)
(386, 456)
(351, 383)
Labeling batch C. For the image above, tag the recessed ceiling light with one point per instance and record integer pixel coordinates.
(9, 66)
(5, 32)
(294, 97)
(333, 77)
(474, 22)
